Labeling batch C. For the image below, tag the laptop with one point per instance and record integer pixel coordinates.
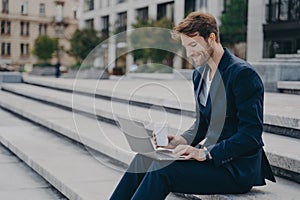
(140, 141)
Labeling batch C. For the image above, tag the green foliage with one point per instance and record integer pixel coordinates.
(44, 47)
(159, 41)
(83, 42)
(233, 27)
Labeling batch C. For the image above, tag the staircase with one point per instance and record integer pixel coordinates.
(70, 137)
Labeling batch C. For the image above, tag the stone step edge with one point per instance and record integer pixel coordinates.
(139, 100)
(274, 124)
(144, 102)
(289, 87)
(48, 176)
(89, 111)
(291, 160)
(114, 153)
(147, 103)
(68, 192)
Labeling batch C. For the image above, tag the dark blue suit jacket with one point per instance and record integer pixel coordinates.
(232, 120)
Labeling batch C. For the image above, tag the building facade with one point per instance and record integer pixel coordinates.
(106, 16)
(273, 28)
(22, 21)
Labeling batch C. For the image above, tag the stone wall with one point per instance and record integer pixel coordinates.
(271, 72)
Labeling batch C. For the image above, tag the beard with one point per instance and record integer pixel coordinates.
(203, 56)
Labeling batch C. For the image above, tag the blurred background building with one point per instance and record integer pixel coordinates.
(22, 21)
(107, 16)
(273, 28)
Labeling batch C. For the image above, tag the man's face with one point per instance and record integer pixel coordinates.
(197, 49)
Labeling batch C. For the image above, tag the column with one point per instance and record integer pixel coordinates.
(111, 43)
(255, 41)
(179, 11)
(152, 10)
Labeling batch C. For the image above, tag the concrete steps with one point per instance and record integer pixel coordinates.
(83, 126)
(67, 166)
(285, 159)
(18, 181)
(281, 116)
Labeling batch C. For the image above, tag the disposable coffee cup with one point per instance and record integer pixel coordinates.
(161, 131)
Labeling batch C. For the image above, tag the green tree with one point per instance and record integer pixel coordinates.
(44, 47)
(83, 42)
(233, 27)
(160, 39)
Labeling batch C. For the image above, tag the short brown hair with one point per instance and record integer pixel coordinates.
(198, 22)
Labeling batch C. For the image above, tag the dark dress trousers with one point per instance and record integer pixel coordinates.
(230, 123)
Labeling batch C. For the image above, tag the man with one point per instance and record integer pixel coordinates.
(224, 142)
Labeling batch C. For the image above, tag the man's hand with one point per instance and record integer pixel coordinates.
(190, 152)
(173, 141)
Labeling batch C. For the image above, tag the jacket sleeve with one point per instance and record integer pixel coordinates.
(196, 132)
(248, 94)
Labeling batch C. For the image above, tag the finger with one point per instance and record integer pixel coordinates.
(189, 156)
(178, 148)
(182, 150)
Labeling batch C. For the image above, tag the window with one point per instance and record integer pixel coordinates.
(42, 9)
(105, 26)
(59, 13)
(24, 49)
(226, 4)
(43, 29)
(121, 1)
(189, 6)
(5, 27)
(24, 7)
(75, 13)
(5, 6)
(8, 49)
(88, 5)
(89, 23)
(122, 22)
(2, 27)
(195, 5)
(282, 10)
(294, 10)
(24, 28)
(165, 10)
(142, 14)
(5, 49)
(27, 28)
(21, 28)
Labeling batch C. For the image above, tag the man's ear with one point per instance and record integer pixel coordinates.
(212, 37)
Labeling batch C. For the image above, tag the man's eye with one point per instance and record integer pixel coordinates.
(193, 45)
